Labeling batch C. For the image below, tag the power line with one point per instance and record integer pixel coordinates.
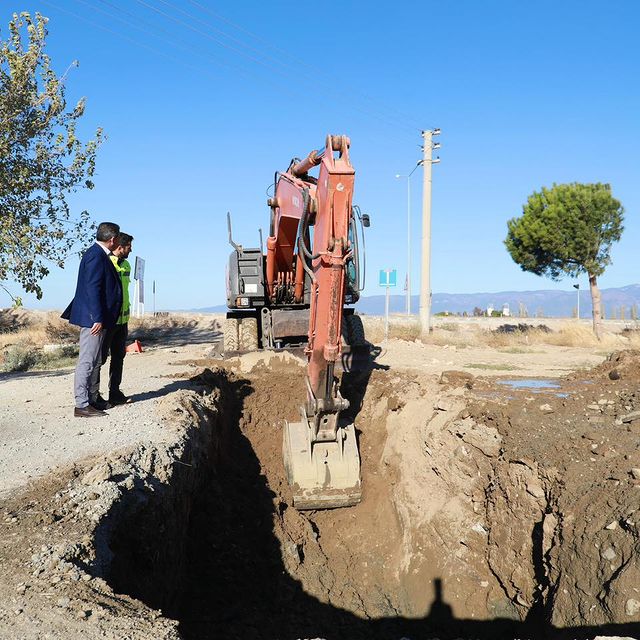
(288, 75)
(152, 29)
(403, 117)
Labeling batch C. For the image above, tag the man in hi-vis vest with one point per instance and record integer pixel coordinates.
(115, 343)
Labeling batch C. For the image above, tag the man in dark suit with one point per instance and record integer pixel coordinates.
(95, 309)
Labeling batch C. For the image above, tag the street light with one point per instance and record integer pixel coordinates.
(408, 177)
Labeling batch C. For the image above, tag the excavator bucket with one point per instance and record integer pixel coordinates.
(323, 475)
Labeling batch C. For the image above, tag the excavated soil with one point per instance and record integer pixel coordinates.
(488, 511)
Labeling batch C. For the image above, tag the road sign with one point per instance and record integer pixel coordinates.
(138, 271)
(387, 278)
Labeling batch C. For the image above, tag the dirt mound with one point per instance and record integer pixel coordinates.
(619, 364)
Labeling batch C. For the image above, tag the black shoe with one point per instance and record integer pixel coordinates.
(118, 398)
(100, 403)
(88, 412)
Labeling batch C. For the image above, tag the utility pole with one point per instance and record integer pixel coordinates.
(425, 282)
(409, 245)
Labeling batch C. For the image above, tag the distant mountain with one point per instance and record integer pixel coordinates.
(551, 304)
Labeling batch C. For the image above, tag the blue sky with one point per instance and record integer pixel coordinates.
(203, 101)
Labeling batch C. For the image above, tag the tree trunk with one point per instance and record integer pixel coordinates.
(595, 304)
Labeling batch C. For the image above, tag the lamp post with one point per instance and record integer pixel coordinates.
(408, 178)
(577, 288)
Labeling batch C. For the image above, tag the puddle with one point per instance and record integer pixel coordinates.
(529, 383)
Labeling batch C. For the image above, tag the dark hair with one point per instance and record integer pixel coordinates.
(124, 239)
(106, 231)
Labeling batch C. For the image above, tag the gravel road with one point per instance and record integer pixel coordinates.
(39, 433)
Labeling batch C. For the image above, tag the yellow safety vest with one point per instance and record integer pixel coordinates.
(124, 269)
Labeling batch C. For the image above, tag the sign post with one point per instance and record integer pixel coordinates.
(387, 279)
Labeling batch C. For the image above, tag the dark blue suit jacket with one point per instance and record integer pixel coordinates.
(98, 292)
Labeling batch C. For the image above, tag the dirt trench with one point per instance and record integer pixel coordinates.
(464, 529)
(485, 514)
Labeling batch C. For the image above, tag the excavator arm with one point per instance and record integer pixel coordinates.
(320, 452)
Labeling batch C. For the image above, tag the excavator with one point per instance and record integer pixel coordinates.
(312, 269)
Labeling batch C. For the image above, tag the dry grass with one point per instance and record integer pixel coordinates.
(462, 335)
(492, 366)
(24, 333)
(568, 335)
(399, 328)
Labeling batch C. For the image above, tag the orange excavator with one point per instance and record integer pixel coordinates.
(311, 270)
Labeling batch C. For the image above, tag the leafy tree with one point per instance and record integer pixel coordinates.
(567, 230)
(42, 160)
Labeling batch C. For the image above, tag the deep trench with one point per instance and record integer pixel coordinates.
(204, 551)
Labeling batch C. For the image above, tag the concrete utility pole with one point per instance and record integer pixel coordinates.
(409, 245)
(425, 280)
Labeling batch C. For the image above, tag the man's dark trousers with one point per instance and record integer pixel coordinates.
(115, 345)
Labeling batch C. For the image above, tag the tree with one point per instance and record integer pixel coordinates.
(567, 230)
(42, 160)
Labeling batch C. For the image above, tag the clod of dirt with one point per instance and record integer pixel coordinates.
(455, 379)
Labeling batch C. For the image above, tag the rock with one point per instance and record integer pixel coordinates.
(612, 525)
(630, 417)
(442, 404)
(608, 553)
(614, 374)
(535, 489)
(635, 472)
(593, 407)
(547, 408)
(632, 607)
(63, 603)
(99, 473)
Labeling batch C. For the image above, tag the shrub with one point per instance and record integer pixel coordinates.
(18, 357)
(58, 330)
(64, 356)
